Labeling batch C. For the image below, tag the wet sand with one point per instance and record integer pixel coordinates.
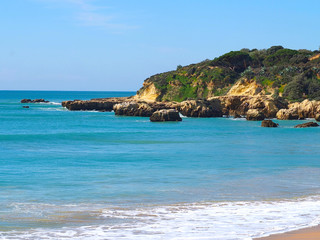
(312, 233)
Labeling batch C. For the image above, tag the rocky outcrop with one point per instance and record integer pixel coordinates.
(308, 124)
(302, 110)
(288, 114)
(165, 115)
(269, 123)
(40, 100)
(239, 105)
(306, 108)
(200, 108)
(133, 109)
(255, 115)
(103, 104)
(212, 107)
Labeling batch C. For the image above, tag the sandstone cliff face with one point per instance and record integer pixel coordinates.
(245, 87)
(148, 93)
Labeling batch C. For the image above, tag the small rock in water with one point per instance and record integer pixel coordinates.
(308, 124)
(40, 100)
(269, 123)
(317, 117)
(165, 115)
(25, 106)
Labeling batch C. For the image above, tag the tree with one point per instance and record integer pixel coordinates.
(179, 67)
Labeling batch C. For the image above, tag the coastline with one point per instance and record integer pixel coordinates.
(310, 233)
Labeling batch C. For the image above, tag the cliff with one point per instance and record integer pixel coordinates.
(292, 74)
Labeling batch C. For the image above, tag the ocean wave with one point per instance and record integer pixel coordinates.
(54, 103)
(52, 109)
(207, 220)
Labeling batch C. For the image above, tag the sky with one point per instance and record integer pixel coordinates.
(114, 45)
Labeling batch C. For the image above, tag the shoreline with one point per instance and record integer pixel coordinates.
(309, 233)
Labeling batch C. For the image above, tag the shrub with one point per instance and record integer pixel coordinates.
(273, 49)
(280, 57)
(235, 60)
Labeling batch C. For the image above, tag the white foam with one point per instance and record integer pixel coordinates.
(52, 109)
(214, 221)
(54, 103)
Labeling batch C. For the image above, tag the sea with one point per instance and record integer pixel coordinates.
(93, 175)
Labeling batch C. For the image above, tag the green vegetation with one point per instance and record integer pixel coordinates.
(288, 72)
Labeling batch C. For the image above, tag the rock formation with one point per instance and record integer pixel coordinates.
(133, 109)
(200, 108)
(165, 115)
(103, 104)
(255, 115)
(269, 123)
(27, 100)
(288, 114)
(308, 124)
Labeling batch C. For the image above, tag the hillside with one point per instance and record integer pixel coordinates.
(277, 71)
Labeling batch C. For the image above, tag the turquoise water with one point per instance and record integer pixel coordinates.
(93, 175)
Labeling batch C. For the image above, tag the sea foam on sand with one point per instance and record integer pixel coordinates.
(214, 221)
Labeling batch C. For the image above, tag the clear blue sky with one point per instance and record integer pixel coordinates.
(115, 45)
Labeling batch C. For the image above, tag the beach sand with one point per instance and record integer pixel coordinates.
(312, 233)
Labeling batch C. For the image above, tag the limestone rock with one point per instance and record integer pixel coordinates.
(269, 123)
(288, 114)
(149, 92)
(255, 115)
(165, 115)
(239, 105)
(200, 108)
(133, 109)
(246, 87)
(317, 117)
(308, 124)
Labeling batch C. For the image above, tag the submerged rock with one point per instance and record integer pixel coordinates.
(255, 115)
(40, 100)
(269, 123)
(25, 106)
(308, 124)
(165, 115)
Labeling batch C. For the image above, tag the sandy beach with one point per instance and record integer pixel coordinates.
(312, 233)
